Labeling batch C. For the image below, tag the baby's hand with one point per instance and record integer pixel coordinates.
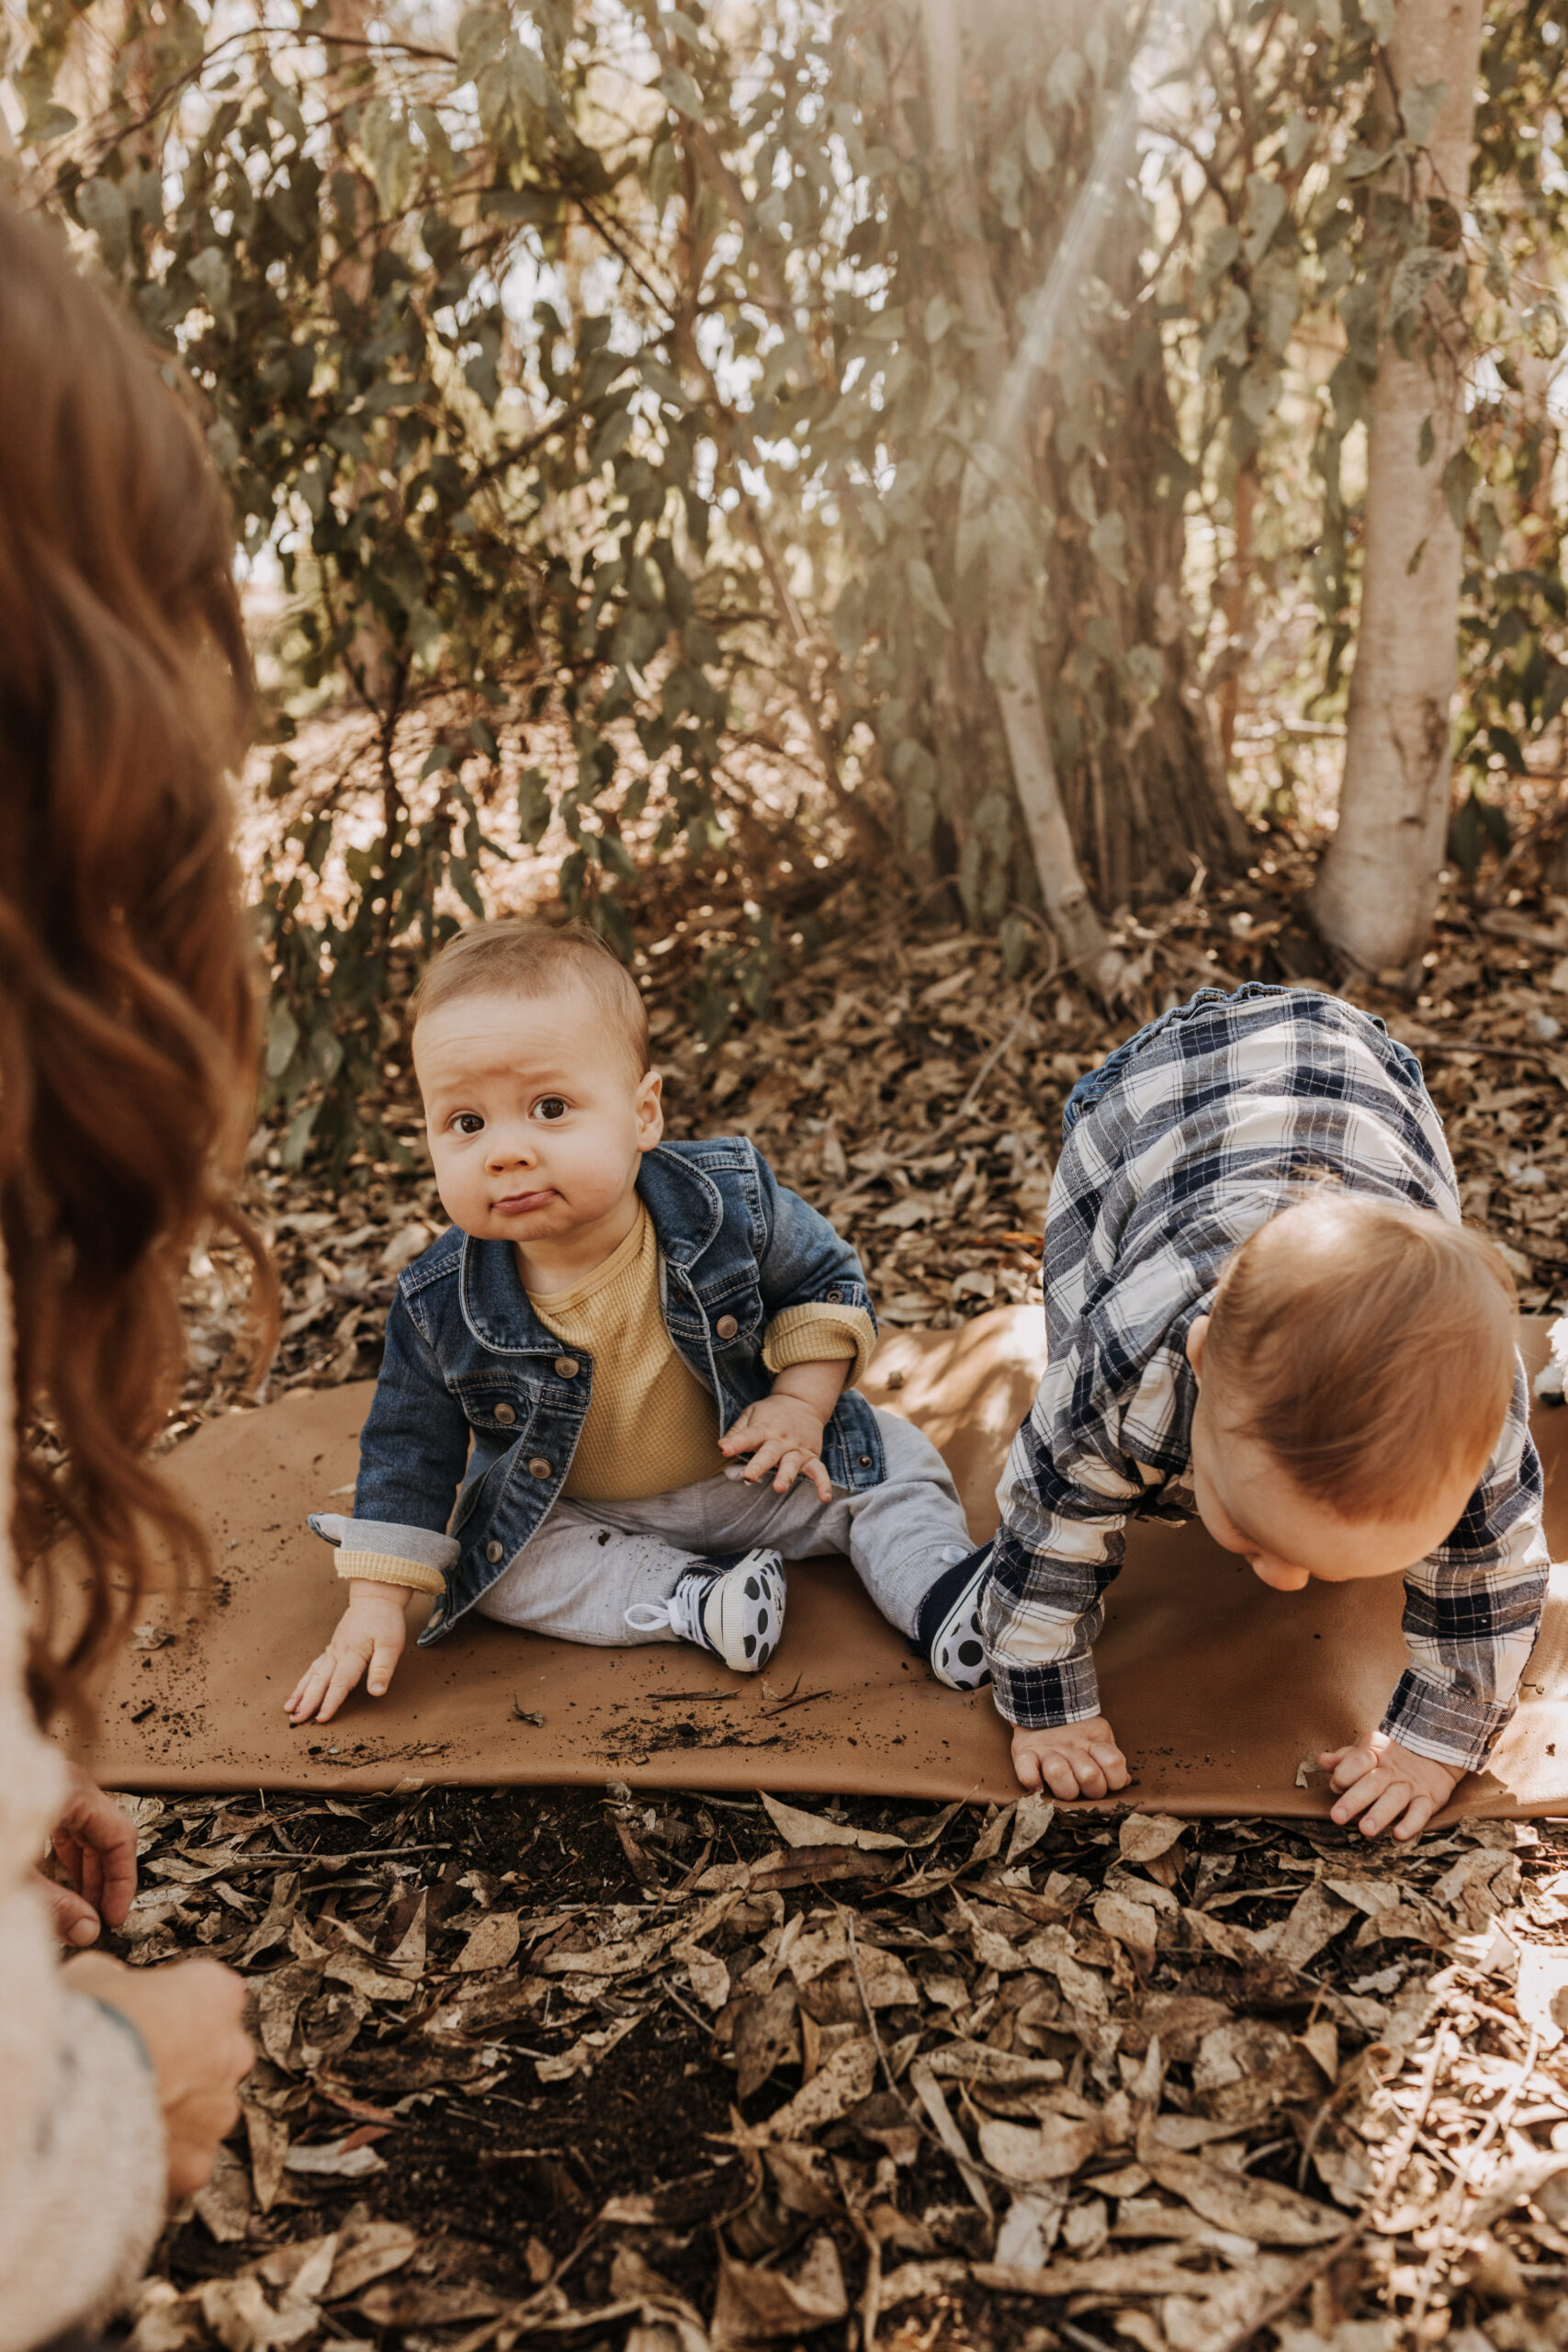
(1384, 1782)
(368, 1641)
(783, 1435)
(1074, 1761)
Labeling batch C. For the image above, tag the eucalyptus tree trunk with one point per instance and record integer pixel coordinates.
(1012, 662)
(1376, 890)
(1142, 800)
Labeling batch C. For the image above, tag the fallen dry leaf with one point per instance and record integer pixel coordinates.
(1260, 2210)
(347, 2159)
(492, 1944)
(755, 2306)
(841, 2082)
(1054, 2151)
(1143, 1836)
(798, 1828)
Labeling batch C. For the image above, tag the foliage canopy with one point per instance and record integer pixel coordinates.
(622, 394)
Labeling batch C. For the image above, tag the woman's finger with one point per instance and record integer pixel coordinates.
(1059, 1771)
(103, 1846)
(74, 1921)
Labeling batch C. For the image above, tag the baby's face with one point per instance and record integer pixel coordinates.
(536, 1118)
(1251, 1506)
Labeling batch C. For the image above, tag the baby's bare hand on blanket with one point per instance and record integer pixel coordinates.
(368, 1642)
(1074, 1761)
(1387, 1785)
(783, 1435)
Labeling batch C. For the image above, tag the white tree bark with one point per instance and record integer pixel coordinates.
(1083, 937)
(1377, 891)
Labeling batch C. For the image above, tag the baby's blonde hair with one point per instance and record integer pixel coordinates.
(533, 959)
(1369, 1346)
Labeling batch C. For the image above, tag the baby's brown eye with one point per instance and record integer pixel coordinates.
(551, 1107)
(468, 1122)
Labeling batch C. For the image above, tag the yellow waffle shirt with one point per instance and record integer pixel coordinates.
(652, 1426)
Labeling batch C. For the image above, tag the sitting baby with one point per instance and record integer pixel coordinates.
(1262, 1311)
(574, 1371)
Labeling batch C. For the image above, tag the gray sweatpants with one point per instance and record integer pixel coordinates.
(592, 1562)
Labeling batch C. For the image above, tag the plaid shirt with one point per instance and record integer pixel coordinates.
(1183, 1143)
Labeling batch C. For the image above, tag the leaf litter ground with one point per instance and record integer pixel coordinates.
(691, 2070)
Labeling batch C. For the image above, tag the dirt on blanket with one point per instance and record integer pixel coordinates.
(669, 2074)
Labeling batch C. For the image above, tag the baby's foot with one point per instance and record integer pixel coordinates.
(733, 1607)
(949, 1628)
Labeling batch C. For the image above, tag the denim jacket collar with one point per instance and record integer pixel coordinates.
(687, 1209)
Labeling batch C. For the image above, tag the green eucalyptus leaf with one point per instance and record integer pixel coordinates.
(534, 806)
(1267, 204)
(282, 1039)
(102, 208)
(1421, 103)
(682, 93)
(1107, 543)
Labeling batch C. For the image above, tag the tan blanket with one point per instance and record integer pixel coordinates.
(1218, 1687)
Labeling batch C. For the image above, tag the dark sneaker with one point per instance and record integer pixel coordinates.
(947, 1633)
(733, 1607)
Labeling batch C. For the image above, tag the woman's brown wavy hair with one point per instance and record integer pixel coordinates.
(127, 1007)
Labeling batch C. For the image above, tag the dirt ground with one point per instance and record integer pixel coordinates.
(661, 2074)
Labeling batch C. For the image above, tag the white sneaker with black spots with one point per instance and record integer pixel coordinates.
(957, 1652)
(734, 1608)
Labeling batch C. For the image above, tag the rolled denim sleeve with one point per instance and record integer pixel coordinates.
(1473, 1610)
(412, 1451)
(1060, 1549)
(802, 1261)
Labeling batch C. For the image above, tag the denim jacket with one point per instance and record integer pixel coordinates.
(476, 1399)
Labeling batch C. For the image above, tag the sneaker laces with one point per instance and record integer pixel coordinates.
(681, 1613)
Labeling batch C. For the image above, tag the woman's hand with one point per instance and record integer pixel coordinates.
(188, 2018)
(94, 1845)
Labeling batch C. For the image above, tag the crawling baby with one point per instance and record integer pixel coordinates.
(1262, 1310)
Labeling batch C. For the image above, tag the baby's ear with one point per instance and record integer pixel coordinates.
(650, 1111)
(1197, 1334)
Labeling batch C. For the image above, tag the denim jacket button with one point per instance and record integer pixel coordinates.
(727, 1326)
(567, 1367)
(507, 1413)
(866, 1462)
(539, 1467)
(832, 1298)
(494, 1552)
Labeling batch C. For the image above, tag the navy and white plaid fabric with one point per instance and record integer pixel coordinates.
(1188, 1137)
